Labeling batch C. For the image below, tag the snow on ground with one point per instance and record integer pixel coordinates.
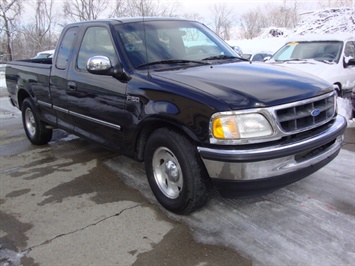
(2, 81)
(330, 21)
(259, 45)
(345, 109)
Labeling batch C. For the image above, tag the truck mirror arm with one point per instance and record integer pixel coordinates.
(118, 73)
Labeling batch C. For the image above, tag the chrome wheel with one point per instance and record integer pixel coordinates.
(175, 173)
(167, 172)
(30, 122)
(36, 130)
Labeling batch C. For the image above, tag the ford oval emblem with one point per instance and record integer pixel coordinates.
(315, 112)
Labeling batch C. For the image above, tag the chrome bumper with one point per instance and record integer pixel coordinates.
(277, 160)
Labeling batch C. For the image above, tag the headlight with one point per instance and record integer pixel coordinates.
(240, 126)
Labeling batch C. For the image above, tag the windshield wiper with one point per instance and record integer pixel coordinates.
(329, 62)
(293, 59)
(307, 60)
(173, 61)
(221, 57)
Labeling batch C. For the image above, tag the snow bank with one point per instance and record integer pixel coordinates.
(345, 109)
(330, 20)
(320, 22)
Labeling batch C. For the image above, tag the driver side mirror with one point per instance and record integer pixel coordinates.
(101, 65)
(349, 61)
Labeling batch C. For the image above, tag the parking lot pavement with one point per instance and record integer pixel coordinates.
(349, 140)
(60, 204)
(310, 222)
(73, 202)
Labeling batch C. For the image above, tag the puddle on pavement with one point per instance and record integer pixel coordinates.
(170, 251)
(14, 232)
(107, 186)
(17, 193)
(100, 180)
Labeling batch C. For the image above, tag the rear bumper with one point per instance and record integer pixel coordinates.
(275, 166)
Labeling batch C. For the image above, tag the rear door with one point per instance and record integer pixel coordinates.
(96, 102)
(58, 79)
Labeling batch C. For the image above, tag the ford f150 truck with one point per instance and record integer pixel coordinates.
(170, 93)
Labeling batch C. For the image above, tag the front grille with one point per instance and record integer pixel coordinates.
(305, 115)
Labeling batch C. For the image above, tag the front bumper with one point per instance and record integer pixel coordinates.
(274, 166)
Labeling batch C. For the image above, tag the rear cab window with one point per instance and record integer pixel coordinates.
(65, 48)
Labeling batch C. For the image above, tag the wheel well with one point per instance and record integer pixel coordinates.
(21, 96)
(149, 128)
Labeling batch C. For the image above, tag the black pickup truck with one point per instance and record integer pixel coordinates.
(170, 93)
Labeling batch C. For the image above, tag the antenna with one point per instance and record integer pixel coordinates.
(145, 38)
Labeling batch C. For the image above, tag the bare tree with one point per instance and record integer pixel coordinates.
(283, 16)
(81, 10)
(192, 16)
(119, 9)
(37, 34)
(44, 20)
(222, 20)
(9, 12)
(251, 23)
(145, 8)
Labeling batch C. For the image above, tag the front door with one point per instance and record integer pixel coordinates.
(96, 102)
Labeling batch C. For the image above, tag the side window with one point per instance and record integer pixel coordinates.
(258, 57)
(350, 49)
(65, 48)
(96, 41)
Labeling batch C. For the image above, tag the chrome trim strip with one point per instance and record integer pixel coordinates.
(56, 108)
(88, 118)
(44, 104)
(267, 168)
(98, 121)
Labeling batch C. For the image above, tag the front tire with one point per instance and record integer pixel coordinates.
(175, 172)
(35, 129)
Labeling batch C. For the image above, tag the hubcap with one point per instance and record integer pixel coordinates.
(167, 172)
(30, 122)
(171, 171)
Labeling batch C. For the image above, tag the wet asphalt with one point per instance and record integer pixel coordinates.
(73, 202)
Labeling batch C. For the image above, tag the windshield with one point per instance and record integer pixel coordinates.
(317, 50)
(171, 41)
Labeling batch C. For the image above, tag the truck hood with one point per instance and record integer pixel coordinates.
(243, 85)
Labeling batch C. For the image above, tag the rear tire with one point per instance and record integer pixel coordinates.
(35, 129)
(175, 172)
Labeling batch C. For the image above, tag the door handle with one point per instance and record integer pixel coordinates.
(72, 85)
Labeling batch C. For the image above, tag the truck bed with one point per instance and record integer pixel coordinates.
(30, 74)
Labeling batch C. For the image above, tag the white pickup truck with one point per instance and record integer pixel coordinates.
(329, 56)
